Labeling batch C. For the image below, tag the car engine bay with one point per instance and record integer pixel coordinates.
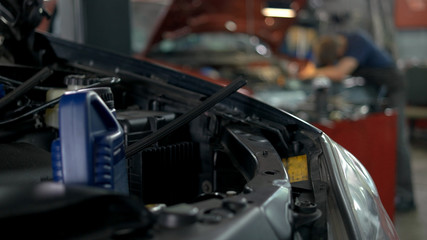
(205, 152)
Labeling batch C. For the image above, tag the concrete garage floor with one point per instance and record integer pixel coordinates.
(412, 225)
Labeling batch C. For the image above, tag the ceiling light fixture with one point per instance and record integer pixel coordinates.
(280, 9)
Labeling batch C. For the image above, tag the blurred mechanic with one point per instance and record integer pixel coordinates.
(343, 54)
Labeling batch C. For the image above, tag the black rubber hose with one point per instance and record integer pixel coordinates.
(53, 102)
(37, 78)
(33, 111)
(185, 118)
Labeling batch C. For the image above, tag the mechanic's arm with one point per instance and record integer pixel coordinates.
(336, 73)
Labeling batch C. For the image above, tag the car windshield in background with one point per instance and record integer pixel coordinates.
(213, 42)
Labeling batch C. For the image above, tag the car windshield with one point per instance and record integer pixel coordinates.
(213, 42)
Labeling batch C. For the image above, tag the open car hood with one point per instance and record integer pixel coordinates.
(174, 157)
(184, 17)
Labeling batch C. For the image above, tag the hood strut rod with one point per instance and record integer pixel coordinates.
(39, 77)
(185, 118)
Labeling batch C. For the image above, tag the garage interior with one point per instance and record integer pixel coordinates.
(220, 40)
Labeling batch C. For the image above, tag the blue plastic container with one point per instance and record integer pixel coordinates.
(90, 149)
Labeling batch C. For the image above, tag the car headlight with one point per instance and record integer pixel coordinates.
(356, 195)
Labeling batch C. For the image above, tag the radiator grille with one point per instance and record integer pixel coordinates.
(166, 174)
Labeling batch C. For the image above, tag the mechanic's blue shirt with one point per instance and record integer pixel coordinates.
(368, 55)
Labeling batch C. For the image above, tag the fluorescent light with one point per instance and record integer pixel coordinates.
(278, 12)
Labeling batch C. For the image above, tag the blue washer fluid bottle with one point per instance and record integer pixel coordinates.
(90, 149)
